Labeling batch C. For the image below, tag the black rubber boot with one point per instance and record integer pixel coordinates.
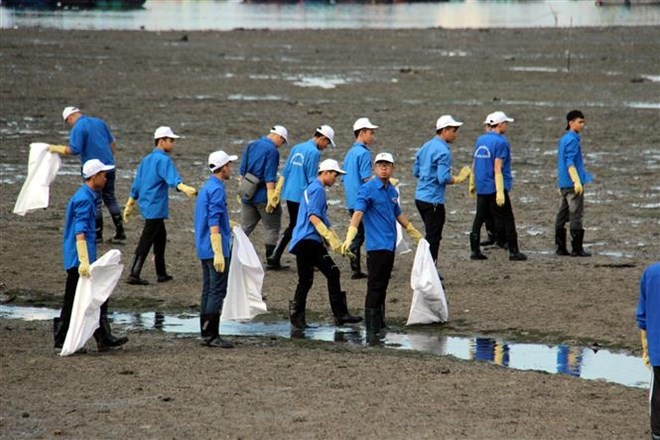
(136, 269)
(474, 247)
(516, 255)
(110, 340)
(120, 235)
(560, 241)
(355, 267)
(59, 333)
(275, 257)
(272, 264)
(340, 310)
(161, 269)
(204, 327)
(297, 314)
(577, 240)
(213, 329)
(373, 320)
(383, 323)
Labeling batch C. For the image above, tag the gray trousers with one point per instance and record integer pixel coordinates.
(251, 213)
(570, 209)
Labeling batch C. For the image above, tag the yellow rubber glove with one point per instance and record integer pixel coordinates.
(393, 181)
(350, 236)
(278, 190)
(188, 190)
(218, 257)
(83, 257)
(499, 187)
(462, 175)
(129, 209)
(414, 233)
(577, 185)
(272, 203)
(330, 237)
(233, 224)
(58, 149)
(472, 187)
(645, 348)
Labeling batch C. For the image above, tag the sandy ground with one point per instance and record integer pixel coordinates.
(220, 90)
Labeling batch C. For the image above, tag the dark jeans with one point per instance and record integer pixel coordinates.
(214, 287)
(433, 216)
(503, 216)
(655, 401)
(359, 238)
(571, 210)
(154, 233)
(310, 254)
(380, 264)
(107, 195)
(293, 208)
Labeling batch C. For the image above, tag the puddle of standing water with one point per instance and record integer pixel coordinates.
(582, 362)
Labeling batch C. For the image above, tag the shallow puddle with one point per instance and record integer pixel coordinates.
(584, 362)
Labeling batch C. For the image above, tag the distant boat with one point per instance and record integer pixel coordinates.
(73, 4)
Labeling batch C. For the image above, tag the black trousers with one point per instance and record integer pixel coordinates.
(503, 216)
(380, 264)
(293, 208)
(72, 278)
(310, 254)
(433, 216)
(154, 233)
(655, 401)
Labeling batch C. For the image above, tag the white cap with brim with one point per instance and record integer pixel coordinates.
(384, 157)
(218, 159)
(330, 165)
(445, 121)
(282, 131)
(165, 132)
(363, 123)
(497, 118)
(328, 132)
(68, 111)
(95, 166)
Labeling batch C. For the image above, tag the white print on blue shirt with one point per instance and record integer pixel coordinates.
(482, 152)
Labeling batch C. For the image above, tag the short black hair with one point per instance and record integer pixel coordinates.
(572, 115)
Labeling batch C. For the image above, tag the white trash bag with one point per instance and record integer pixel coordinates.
(429, 304)
(42, 170)
(402, 246)
(91, 293)
(245, 280)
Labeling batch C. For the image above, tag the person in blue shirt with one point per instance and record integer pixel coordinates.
(90, 138)
(261, 158)
(358, 166)
(311, 233)
(155, 175)
(377, 205)
(212, 234)
(648, 322)
(432, 167)
(298, 173)
(79, 251)
(493, 181)
(571, 178)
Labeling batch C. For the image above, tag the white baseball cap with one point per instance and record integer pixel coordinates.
(446, 121)
(68, 111)
(330, 165)
(282, 131)
(497, 118)
(95, 166)
(363, 123)
(384, 157)
(165, 132)
(218, 159)
(328, 132)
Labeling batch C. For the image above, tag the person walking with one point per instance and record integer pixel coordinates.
(312, 230)
(493, 182)
(357, 164)
(212, 235)
(155, 174)
(79, 251)
(648, 322)
(260, 161)
(377, 205)
(299, 172)
(432, 168)
(90, 138)
(571, 178)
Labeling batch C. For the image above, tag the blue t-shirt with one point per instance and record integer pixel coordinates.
(432, 168)
(260, 158)
(91, 139)
(648, 310)
(211, 210)
(570, 154)
(379, 204)
(300, 170)
(154, 175)
(357, 165)
(491, 146)
(80, 219)
(313, 202)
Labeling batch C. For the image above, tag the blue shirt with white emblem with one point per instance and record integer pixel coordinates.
(432, 168)
(300, 170)
(357, 164)
(491, 146)
(648, 310)
(80, 219)
(155, 175)
(570, 154)
(211, 210)
(313, 202)
(260, 158)
(91, 139)
(379, 203)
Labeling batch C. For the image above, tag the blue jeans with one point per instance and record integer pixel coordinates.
(107, 195)
(214, 287)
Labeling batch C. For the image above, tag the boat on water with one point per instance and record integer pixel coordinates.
(73, 4)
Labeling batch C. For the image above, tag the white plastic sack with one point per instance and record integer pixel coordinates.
(245, 280)
(42, 170)
(429, 303)
(402, 246)
(91, 293)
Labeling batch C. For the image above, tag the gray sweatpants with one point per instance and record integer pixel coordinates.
(570, 210)
(251, 213)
